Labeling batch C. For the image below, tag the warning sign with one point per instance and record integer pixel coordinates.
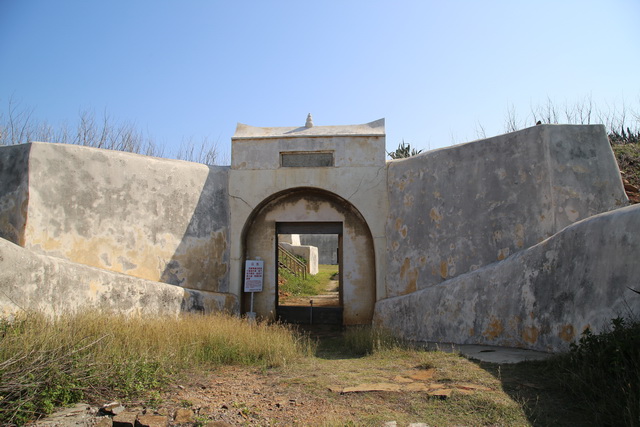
(253, 276)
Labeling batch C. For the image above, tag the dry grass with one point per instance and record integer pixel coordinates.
(48, 362)
(90, 356)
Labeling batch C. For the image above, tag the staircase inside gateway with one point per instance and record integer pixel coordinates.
(309, 294)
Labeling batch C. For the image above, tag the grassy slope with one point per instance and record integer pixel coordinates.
(628, 157)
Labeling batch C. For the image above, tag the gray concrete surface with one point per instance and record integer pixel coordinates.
(354, 187)
(53, 286)
(490, 354)
(541, 298)
(157, 219)
(455, 237)
(457, 209)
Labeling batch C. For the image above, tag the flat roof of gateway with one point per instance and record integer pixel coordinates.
(375, 128)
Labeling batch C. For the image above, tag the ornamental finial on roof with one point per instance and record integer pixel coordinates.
(309, 123)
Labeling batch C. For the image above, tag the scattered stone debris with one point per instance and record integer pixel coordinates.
(114, 414)
(113, 408)
(223, 399)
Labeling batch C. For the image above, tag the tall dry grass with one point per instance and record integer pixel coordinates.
(50, 362)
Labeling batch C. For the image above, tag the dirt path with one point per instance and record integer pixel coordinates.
(329, 298)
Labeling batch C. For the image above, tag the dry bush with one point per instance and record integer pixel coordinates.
(17, 126)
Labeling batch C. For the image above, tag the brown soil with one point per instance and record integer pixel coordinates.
(330, 298)
(241, 396)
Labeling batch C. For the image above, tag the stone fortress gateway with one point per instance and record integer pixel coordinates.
(522, 239)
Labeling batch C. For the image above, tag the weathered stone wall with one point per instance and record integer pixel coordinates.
(358, 295)
(14, 192)
(53, 286)
(357, 180)
(156, 219)
(540, 298)
(457, 209)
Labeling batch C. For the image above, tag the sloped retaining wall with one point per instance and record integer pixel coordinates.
(31, 281)
(457, 209)
(156, 219)
(541, 298)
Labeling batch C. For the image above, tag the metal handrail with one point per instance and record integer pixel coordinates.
(289, 261)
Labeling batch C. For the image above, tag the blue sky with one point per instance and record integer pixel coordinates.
(435, 70)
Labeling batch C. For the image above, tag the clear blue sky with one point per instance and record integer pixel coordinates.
(434, 69)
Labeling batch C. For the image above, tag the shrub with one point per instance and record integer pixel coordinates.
(603, 371)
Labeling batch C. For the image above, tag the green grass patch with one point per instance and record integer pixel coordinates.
(317, 284)
(292, 285)
(326, 274)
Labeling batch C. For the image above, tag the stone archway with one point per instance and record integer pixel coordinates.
(312, 205)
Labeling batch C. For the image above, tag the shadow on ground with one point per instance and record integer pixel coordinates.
(532, 384)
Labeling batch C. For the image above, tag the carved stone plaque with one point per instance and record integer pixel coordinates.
(306, 160)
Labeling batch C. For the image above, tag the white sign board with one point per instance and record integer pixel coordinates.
(253, 273)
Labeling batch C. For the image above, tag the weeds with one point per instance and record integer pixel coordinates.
(297, 286)
(46, 363)
(365, 340)
(603, 372)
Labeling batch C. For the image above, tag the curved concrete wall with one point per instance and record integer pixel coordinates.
(454, 210)
(156, 219)
(541, 298)
(443, 228)
(54, 286)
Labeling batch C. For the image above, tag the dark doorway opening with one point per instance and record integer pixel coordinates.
(309, 291)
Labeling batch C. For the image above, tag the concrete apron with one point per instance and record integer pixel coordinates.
(488, 353)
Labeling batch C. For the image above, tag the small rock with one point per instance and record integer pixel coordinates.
(152, 421)
(423, 375)
(372, 387)
(183, 415)
(469, 386)
(390, 424)
(416, 387)
(217, 424)
(104, 421)
(125, 419)
(113, 408)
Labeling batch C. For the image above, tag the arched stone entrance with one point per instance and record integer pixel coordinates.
(313, 205)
